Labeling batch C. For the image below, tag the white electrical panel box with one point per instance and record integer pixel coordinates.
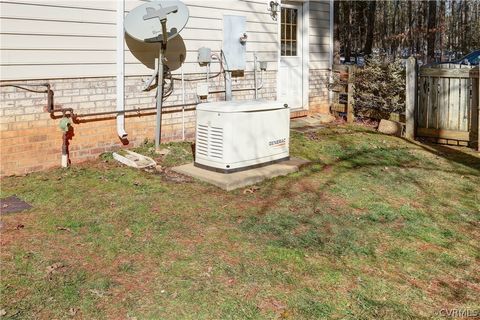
(234, 42)
(237, 135)
(202, 90)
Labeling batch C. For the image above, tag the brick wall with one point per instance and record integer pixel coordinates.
(318, 98)
(30, 140)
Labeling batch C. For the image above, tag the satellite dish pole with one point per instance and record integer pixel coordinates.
(142, 24)
(161, 14)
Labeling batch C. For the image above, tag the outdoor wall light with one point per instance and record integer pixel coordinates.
(274, 7)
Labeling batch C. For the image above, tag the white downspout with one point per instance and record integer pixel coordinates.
(120, 70)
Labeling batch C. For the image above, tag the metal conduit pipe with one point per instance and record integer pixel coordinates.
(255, 74)
(261, 81)
(94, 114)
(244, 89)
(25, 86)
(241, 89)
(183, 102)
(228, 86)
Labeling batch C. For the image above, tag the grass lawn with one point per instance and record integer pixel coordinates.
(376, 228)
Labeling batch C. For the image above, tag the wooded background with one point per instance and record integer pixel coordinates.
(437, 30)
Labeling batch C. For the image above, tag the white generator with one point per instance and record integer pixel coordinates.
(238, 135)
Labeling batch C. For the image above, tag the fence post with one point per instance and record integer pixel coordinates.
(410, 97)
(351, 79)
(475, 124)
(476, 98)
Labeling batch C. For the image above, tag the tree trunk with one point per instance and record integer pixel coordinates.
(394, 41)
(431, 32)
(419, 32)
(424, 32)
(410, 27)
(372, 5)
(336, 32)
(441, 28)
(419, 28)
(347, 35)
(384, 29)
(466, 33)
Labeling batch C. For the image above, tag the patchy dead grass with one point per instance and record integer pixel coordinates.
(376, 227)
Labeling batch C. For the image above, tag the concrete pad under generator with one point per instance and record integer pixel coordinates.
(235, 180)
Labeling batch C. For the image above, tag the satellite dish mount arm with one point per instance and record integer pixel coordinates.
(148, 85)
(161, 14)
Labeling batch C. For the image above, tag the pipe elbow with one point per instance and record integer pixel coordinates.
(122, 134)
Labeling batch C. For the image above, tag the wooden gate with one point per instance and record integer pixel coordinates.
(447, 104)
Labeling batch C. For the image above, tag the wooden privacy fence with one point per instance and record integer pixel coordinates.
(343, 90)
(442, 103)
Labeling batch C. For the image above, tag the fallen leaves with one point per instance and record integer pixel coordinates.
(163, 152)
(97, 293)
(208, 274)
(274, 305)
(72, 312)
(54, 269)
(327, 168)
(172, 176)
(285, 314)
(19, 226)
(251, 189)
(128, 233)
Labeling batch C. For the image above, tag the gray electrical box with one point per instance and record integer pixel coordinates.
(204, 56)
(263, 65)
(234, 42)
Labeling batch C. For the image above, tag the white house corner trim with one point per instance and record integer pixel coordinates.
(279, 47)
(306, 54)
(332, 44)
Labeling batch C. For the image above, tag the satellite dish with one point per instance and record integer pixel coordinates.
(143, 22)
(157, 22)
(147, 53)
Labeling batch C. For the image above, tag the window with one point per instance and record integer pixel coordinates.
(288, 26)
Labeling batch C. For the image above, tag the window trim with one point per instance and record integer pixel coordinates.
(291, 40)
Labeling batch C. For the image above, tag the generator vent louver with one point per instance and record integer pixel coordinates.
(210, 141)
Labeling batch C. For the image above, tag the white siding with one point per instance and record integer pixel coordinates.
(319, 35)
(68, 39)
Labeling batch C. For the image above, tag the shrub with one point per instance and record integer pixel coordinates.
(379, 88)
